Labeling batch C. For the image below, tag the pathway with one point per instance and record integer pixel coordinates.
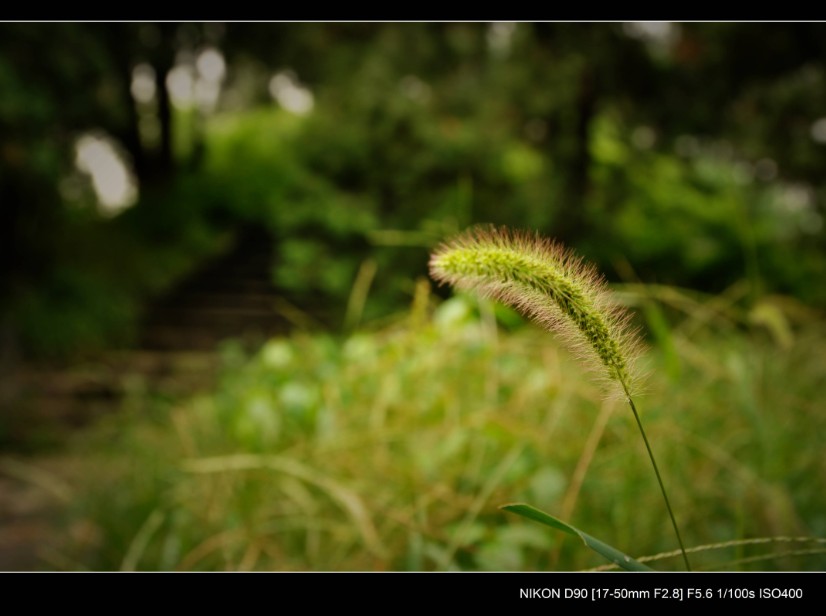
(229, 297)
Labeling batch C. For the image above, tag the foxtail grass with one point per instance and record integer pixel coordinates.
(563, 294)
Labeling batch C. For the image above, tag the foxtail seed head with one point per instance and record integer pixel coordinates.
(549, 284)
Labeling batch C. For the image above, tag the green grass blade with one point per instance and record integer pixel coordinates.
(614, 555)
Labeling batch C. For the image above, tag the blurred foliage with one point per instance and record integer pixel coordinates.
(687, 154)
(393, 448)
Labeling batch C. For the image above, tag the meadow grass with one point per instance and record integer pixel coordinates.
(393, 448)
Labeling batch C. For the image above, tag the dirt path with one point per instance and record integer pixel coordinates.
(230, 297)
(33, 492)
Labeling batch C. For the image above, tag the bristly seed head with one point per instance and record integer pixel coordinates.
(548, 283)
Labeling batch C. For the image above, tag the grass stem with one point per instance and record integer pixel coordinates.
(657, 472)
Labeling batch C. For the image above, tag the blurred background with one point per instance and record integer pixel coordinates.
(219, 348)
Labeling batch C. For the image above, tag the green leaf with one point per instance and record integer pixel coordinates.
(614, 555)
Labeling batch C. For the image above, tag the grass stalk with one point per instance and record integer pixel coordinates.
(657, 473)
(555, 288)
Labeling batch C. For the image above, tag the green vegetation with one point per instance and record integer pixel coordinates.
(395, 448)
(418, 131)
(683, 160)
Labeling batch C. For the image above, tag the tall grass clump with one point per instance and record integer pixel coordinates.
(554, 287)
